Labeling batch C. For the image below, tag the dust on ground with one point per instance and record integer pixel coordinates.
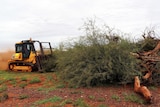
(4, 57)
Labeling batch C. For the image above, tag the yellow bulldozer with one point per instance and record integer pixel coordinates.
(29, 56)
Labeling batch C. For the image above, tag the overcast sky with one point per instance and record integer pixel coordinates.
(57, 20)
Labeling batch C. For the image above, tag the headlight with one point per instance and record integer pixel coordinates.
(13, 56)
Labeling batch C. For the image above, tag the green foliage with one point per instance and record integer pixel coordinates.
(76, 103)
(115, 97)
(53, 99)
(23, 79)
(102, 105)
(91, 97)
(3, 88)
(156, 78)
(133, 98)
(50, 64)
(66, 101)
(60, 86)
(3, 96)
(35, 80)
(99, 58)
(149, 40)
(8, 76)
(153, 88)
(23, 96)
(101, 99)
(11, 79)
(22, 85)
(80, 103)
(146, 44)
(46, 90)
(49, 78)
(98, 63)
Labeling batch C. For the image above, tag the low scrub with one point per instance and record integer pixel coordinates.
(132, 97)
(115, 97)
(3, 96)
(22, 85)
(3, 88)
(23, 96)
(35, 80)
(80, 103)
(52, 100)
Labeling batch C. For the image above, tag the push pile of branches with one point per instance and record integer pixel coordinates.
(149, 60)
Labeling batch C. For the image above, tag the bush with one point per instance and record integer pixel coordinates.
(97, 59)
(50, 64)
(98, 64)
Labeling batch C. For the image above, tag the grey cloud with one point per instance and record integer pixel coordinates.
(58, 19)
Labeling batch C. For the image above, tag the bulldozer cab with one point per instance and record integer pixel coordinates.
(25, 49)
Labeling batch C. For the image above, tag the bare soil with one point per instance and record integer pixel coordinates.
(93, 97)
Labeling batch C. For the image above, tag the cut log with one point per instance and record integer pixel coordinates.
(143, 90)
(136, 84)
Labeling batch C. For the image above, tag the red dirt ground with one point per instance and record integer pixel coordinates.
(94, 97)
